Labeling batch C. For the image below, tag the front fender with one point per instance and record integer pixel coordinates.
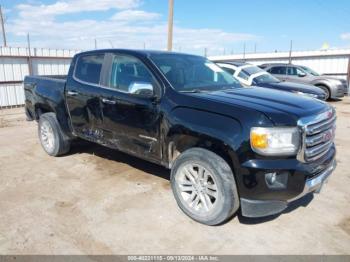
(324, 82)
(202, 123)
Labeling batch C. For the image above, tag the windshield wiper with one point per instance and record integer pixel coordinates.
(193, 91)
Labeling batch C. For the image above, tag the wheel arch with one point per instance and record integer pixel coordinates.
(41, 108)
(326, 85)
(181, 141)
(62, 117)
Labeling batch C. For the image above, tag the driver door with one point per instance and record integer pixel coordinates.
(294, 74)
(131, 114)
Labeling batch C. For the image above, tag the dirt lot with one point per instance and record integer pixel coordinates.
(100, 201)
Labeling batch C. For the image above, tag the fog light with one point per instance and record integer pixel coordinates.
(277, 180)
(270, 178)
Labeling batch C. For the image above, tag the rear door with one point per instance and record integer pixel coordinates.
(279, 71)
(82, 95)
(129, 107)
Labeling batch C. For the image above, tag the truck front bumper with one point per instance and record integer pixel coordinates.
(269, 202)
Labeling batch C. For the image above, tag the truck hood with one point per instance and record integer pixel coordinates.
(282, 108)
(289, 86)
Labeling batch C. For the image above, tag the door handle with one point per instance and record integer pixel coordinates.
(107, 101)
(72, 93)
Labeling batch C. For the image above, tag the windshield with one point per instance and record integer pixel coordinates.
(188, 73)
(310, 71)
(266, 79)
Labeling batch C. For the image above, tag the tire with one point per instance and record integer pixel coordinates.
(52, 138)
(209, 206)
(326, 90)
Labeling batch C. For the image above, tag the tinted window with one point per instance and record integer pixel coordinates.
(88, 68)
(278, 70)
(294, 71)
(127, 70)
(229, 70)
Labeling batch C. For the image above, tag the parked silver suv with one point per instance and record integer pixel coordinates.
(333, 87)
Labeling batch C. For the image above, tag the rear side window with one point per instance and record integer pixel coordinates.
(278, 70)
(88, 68)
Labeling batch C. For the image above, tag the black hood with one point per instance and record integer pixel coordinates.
(289, 86)
(282, 108)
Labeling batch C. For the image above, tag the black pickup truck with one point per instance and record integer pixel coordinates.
(228, 147)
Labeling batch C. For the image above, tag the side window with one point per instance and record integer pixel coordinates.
(243, 75)
(128, 73)
(277, 70)
(292, 71)
(229, 70)
(88, 68)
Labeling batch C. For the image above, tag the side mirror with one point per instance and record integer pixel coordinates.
(141, 88)
(301, 74)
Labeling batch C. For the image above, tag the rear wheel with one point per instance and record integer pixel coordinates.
(51, 136)
(204, 186)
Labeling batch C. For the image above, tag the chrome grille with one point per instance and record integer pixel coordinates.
(318, 135)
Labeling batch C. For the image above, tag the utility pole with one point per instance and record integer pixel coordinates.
(95, 43)
(3, 27)
(348, 76)
(111, 43)
(30, 67)
(170, 25)
(244, 51)
(205, 52)
(290, 51)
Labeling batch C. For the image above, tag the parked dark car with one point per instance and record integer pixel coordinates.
(251, 75)
(333, 87)
(228, 147)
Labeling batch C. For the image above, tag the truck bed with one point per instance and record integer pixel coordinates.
(47, 91)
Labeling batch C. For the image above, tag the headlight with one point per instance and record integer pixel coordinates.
(306, 94)
(275, 140)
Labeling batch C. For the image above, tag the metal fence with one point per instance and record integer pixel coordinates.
(16, 63)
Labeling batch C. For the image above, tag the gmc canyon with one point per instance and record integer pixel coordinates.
(228, 147)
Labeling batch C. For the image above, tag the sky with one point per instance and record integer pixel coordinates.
(217, 26)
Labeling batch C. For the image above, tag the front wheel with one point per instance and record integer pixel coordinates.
(204, 186)
(326, 91)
